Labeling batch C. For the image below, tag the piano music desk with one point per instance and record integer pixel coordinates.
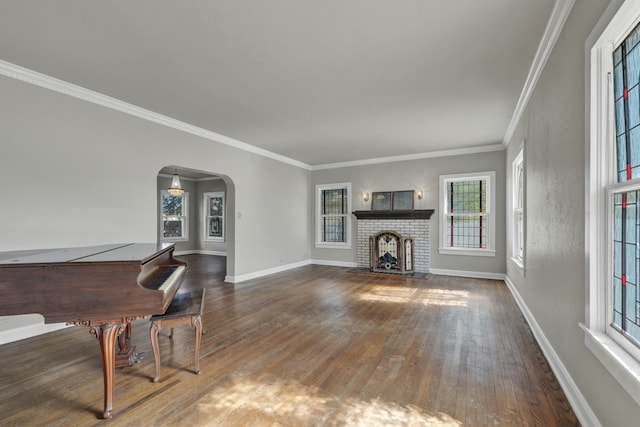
(185, 310)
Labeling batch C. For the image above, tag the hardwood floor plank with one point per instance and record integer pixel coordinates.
(314, 346)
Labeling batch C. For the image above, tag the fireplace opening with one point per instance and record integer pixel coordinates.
(391, 253)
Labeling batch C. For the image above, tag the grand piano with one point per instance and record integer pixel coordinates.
(104, 288)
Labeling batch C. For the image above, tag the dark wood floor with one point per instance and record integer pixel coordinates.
(315, 346)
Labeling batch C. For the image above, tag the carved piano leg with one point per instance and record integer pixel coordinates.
(107, 334)
(153, 332)
(126, 355)
(124, 339)
(197, 324)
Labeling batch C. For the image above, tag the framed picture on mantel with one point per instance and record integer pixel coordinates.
(403, 200)
(381, 201)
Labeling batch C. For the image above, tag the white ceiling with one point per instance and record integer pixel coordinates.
(317, 81)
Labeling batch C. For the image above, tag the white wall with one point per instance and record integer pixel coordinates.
(80, 174)
(552, 285)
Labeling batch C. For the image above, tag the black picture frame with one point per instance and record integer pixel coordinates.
(402, 200)
(381, 201)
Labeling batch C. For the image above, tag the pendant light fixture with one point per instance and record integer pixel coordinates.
(175, 189)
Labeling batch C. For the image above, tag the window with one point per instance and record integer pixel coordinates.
(214, 216)
(174, 210)
(467, 214)
(612, 329)
(626, 215)
(333, 227)
(517, 220)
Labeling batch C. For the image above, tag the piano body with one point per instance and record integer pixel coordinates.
(104, 288)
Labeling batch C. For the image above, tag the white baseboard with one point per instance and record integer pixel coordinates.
(268, 271)
(28, 331)
(200, 252)
(334, 263)
(579, 404)
(463, 273)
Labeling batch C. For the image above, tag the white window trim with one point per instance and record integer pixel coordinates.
(208, 196)
(332, 245)
(185, 237)
(516, 211)
(618, 356)
(489, 250)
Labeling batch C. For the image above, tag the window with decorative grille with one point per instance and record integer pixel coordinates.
(626, 213)
(214, 216)
(613, 187)
(467, 219)
(333, 207)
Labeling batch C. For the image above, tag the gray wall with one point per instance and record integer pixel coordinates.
(422, 174)
(553, 283)
(81, 174)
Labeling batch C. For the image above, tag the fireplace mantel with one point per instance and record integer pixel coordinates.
(414, 214)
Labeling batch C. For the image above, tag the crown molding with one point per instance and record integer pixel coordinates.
(186, 178)
(559, 15)
(418, 156)
(38, 79)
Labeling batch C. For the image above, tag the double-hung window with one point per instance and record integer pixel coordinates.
(625, 189)
(517, 210)
(214, 214)
(467, 219)
(174, 212)
(613, 212)
(333, 225)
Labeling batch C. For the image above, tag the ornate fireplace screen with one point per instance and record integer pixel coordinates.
(391, 253)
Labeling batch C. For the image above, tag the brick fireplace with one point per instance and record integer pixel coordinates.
(410, 224)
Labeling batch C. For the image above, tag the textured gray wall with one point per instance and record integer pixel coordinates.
(553, 283)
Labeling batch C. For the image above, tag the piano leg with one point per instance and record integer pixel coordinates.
(126, 355)
(107, 334)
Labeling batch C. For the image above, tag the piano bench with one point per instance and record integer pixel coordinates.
(185, 310)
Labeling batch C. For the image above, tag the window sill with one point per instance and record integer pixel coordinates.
(215, 239)
(466, 251)
(622, 366)
(181, 239)
(333, 246)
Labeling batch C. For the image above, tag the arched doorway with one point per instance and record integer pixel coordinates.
(201, 220)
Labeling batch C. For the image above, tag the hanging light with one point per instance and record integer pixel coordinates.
(175, 189)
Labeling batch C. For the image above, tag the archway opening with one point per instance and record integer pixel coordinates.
(201, 219)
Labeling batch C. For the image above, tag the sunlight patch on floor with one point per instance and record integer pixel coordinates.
(247, 401)
(412, 295)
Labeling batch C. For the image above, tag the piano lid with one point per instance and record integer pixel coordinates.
(102, 253)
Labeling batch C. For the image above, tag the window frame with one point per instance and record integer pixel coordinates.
(207, 197)
(347, 215)
(184, 216)
(618, 355)
(489, 249)
(518, 238)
